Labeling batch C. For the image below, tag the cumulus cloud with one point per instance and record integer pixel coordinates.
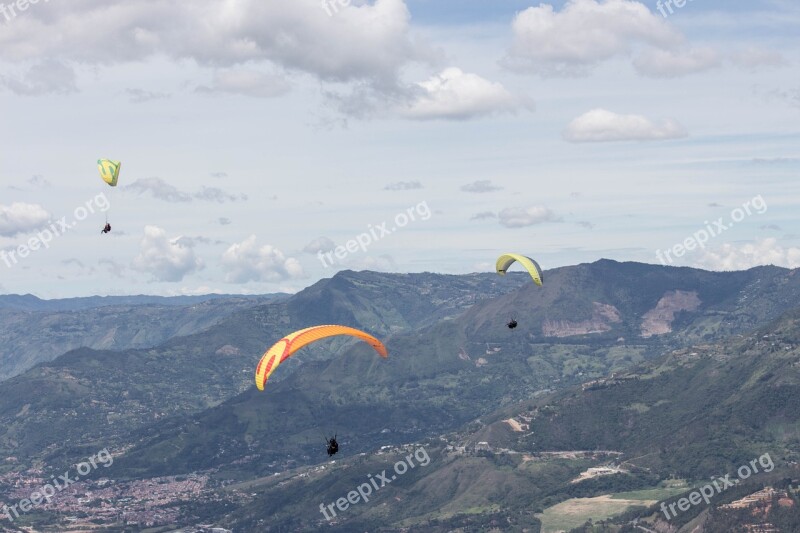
(247, 261)
(22, 218)
(583, 34)
(320, 244)
(744, 256)
(47, 77)
(164, 258)
(161, 190)
(600, 125)
(247, 83)
(403, 186)
(480, 186)
(520, 217)
(674, 63)
(368, 41)
(457, 95)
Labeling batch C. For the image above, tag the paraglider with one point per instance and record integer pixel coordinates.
(333, 446)
(533, 268)
(289, 345)
(109, 173)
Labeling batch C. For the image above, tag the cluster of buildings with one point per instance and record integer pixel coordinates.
(89, 503)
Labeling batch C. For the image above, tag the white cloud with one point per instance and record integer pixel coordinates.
(675, 63)
(520, 217)
(166, 259)
(582, 34)
(246, 261)
(742, 257)
(600, 125)
(369, 41)
(47, 77)
(457, 95)
(21, 218)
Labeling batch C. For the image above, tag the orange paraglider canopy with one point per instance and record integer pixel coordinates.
(287, 346)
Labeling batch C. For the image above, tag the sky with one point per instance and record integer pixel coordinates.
(268, 144)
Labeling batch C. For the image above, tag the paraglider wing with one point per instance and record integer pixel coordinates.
(109, 171)
(506, 260)
(287, 346)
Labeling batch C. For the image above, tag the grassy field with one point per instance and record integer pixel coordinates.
(575, 512)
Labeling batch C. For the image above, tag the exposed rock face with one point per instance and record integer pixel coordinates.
(658, 320)
(603, 315)
(228, 350)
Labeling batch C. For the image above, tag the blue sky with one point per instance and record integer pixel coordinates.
(256, 136)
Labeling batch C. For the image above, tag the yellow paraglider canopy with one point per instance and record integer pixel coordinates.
(287, 346)
(506, 260)
(109, 171)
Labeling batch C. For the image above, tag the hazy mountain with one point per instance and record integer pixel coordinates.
(34, 331)
(29, 302)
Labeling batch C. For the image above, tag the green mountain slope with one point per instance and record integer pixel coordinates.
(693, 414)
(439, 377)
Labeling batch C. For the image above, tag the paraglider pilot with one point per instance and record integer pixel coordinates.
(106, 228)
(512, 324)
(333, 446)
